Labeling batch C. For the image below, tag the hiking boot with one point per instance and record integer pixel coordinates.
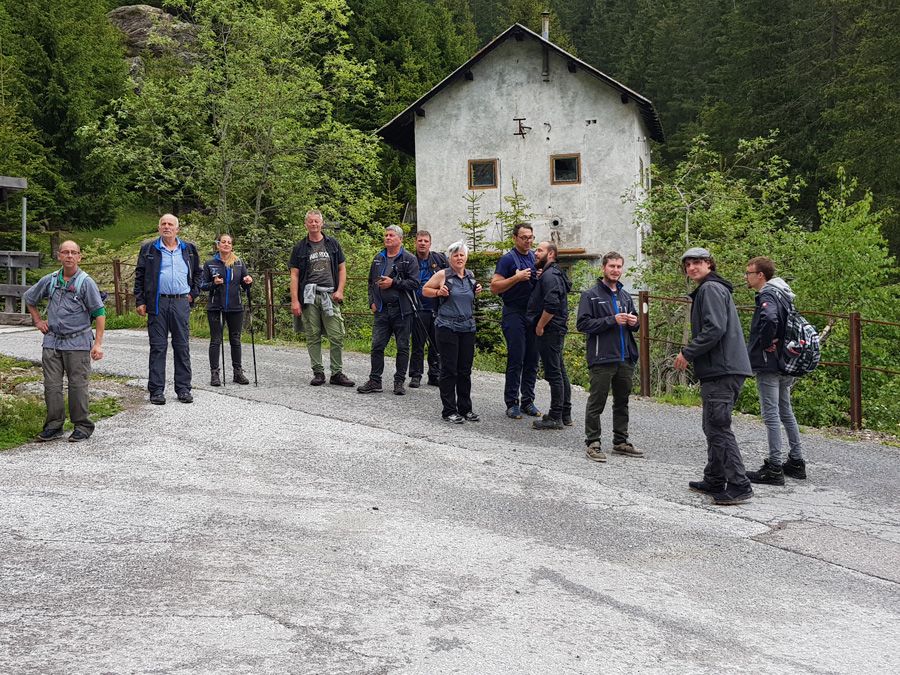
(399, 388)
(48, 435)
(239, 377)
(795, 468)
(215, 378)
(732, 495)
(370, 387)
(627, 449)
(455, 418)
(341, 380)
(547, 423)
(768, 474)
(472, 417)
(157, 399)
(567, 421)
(514, 412)
(185, 397)
(531, 410)
(318, 380)
(593, 452)
(415, 382)
(78, 435)
(434, 381)
(704, 487)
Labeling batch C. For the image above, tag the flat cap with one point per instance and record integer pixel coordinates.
(697, 252)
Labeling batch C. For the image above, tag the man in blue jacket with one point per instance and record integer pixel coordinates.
(548, 315)
(423, 321)
(393, 282)
(166, 283)
(764, 346)
(719, 356)
(607, 315)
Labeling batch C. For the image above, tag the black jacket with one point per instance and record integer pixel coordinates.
(550, 294)
(767, 326)
(149, 267)
(717, 346)
(224, 297)
(404, 272)
(607, 341)
(300, 261)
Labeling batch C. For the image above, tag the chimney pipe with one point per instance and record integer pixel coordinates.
(545, 25)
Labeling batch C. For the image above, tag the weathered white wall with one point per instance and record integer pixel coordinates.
(474, 120)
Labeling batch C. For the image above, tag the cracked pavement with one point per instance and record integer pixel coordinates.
(289, 528)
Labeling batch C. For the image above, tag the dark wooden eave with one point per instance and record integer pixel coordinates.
(400, 131)
(8, 185)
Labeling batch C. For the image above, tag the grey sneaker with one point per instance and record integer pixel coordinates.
(49, 435)
(627, 449)
(593, 452)
(370, 387)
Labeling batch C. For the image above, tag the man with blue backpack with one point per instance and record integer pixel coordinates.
(69, 345)
(768, 349)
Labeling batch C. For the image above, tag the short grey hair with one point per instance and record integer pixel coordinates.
(457, 246)
(395, 228)
(314, 212)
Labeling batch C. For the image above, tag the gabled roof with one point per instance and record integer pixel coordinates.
(400, 131)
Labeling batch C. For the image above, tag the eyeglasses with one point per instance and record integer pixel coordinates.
(526, 237)
(747, 274)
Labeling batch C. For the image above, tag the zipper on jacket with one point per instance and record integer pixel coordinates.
(621, 329)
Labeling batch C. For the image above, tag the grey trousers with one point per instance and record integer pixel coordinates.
(724, 462)
(775, 404)
(77, 367)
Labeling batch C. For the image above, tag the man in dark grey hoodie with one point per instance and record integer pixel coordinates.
(719, 356)
(548, 314)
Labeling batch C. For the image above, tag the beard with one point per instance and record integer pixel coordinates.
(540, 262)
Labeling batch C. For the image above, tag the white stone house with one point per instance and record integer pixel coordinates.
(574, 140)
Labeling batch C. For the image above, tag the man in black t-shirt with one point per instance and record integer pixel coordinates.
(318, 277)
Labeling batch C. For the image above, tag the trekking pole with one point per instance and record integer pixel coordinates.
(252, 336)
(222, 326)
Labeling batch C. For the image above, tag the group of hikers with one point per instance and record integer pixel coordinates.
(426, 302)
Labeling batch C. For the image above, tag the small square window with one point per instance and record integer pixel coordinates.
(565, 169)
(482, 174)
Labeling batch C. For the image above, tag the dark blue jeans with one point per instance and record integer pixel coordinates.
(550, 347)
(390, 321)
(171, 320)
(521, 359)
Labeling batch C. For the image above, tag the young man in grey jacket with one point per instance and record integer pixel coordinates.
(719, 356)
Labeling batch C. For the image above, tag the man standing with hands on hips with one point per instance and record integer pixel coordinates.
(166, 283)
(68, 346)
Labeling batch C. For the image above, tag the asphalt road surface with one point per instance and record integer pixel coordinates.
(287, 528)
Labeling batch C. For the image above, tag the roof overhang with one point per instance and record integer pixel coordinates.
(400, 131)
(8, 185)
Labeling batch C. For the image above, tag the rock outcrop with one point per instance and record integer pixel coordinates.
(148, 29)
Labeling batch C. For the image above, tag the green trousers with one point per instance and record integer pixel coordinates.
(317, 323)
(76, 365)
(615, 376)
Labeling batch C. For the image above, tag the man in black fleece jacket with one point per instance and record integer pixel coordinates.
(720, 361)
(548, 312)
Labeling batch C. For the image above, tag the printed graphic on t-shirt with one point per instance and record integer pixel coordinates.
(319, 264)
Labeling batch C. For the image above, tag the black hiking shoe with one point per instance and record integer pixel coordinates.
(185, 397)
(731, 496)
(471, 417)
(370, 387)
(78, 435)
(547, 423)
(157, 399)
(239, 377)
(704, 487)
(318, 380)
(215, 378)
(768, 474)
(795, 468)
(415, 382)
(48, 435)
(399, 389)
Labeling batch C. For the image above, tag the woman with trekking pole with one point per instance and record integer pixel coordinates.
(224, 276)
(454, 290)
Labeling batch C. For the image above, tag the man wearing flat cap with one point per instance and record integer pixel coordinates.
(720, 361)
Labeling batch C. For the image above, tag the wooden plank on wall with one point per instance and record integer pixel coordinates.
(14, 319)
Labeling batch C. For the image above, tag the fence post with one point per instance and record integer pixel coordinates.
(270, 305)
(644, 316)
(117, 285)
(856, 416)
